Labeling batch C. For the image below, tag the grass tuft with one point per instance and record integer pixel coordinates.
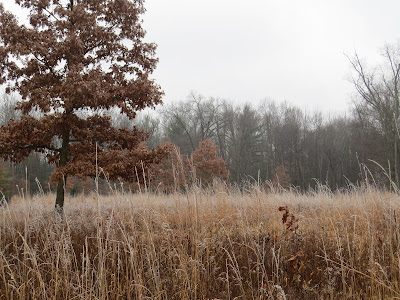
(204, 244)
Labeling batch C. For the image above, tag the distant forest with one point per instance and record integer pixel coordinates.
(266, 143)
(270, 141)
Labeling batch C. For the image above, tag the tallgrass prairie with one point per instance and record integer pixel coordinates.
(203, 244)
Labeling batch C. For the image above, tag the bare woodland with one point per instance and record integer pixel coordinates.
(260, 142)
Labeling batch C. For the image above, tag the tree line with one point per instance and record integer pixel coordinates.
(270, 140)
(267, 142)
(83, 75)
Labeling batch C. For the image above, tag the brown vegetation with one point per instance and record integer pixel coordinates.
(214, 244)
(175, 172)
(75, 61)
(207, 164)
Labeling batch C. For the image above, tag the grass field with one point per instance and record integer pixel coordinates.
(215, 244)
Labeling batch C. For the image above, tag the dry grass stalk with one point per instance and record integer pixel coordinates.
(147, 246)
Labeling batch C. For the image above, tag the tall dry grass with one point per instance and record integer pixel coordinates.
(214, 244)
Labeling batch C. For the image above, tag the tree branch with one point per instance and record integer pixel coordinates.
(39, 146)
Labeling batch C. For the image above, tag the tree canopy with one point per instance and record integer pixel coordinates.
(72, 62)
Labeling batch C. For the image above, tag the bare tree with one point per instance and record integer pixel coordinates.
(379, 91)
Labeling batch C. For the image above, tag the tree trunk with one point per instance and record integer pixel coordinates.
(396, 163)
(59, 206)
(60, 195)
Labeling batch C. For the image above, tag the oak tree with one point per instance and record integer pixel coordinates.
(176, 173)
(73, 61)
(207, 164)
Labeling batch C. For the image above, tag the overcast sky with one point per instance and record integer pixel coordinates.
(250, 50)
(283, 49)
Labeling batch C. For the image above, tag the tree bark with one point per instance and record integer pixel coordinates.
(59, 206)
(60, 196)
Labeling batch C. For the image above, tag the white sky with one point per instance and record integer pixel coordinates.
(283, 49)
(250, 50)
